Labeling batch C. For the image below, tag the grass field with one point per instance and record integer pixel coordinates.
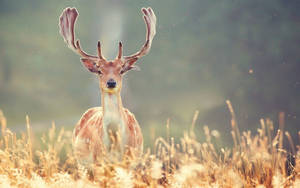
(255, 160)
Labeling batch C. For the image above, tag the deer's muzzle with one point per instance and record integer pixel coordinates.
(111, 83)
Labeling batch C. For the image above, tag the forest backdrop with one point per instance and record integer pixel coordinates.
(205, 52)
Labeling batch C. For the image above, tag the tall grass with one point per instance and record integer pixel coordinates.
(256, 160)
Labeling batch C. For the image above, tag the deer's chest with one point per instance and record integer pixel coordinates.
(114, 127)
(114, 131)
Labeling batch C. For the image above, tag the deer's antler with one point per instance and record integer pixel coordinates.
(150, 21)
(67, 22)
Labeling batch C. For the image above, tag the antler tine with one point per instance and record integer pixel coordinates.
(67, 22)
(82, 53)
(150, 22)
(120, 50)
(99, 50)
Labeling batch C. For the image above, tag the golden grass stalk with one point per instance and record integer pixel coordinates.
(257, 160)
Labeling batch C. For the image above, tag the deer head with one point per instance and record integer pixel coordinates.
(110, 72)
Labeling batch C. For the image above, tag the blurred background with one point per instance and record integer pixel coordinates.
(205, 52)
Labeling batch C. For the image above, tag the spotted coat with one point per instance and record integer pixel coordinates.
(88, 135)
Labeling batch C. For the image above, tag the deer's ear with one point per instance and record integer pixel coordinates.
(129, 65)
(90, 65)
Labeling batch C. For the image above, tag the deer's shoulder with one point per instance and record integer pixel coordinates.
(134, 129)
(92, 112)
(130, 116)
(91, 117)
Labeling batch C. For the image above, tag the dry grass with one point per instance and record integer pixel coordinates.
(255, 161)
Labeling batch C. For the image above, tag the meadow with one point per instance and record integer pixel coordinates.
(204, 52)
(255, 160)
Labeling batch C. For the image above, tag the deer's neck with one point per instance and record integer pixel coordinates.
(112, 108)
(113, 117)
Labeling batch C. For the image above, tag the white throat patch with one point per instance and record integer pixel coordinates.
(113, 121)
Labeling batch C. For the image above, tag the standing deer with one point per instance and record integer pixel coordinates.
(110, 128)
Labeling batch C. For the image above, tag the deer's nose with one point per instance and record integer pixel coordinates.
(111, 83)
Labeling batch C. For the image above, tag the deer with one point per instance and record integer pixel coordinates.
(109, 129)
